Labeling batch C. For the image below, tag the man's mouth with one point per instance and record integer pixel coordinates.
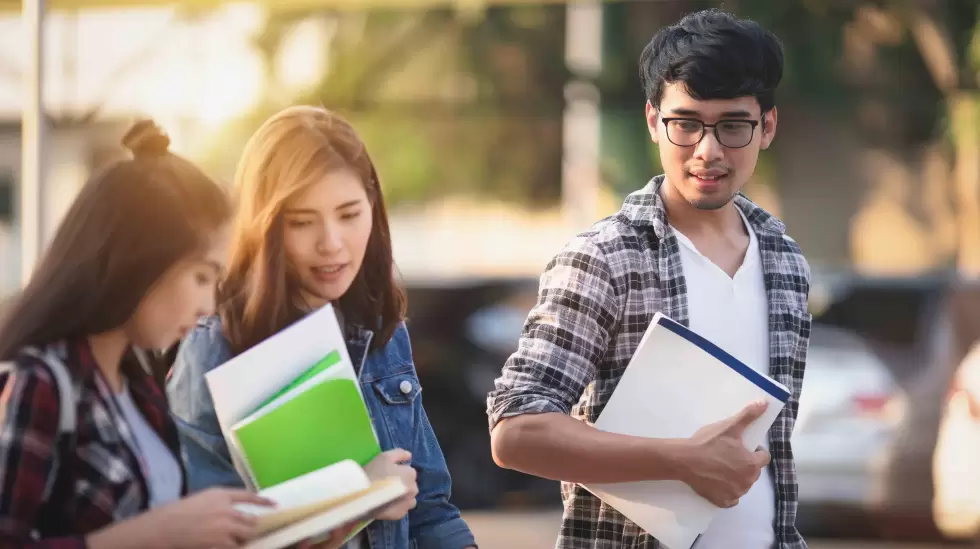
(709, 178)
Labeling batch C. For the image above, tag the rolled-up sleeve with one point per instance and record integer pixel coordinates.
(566, 334)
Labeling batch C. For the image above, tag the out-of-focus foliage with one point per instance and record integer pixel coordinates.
(471, 102)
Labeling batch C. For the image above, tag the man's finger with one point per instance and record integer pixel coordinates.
(749, 414)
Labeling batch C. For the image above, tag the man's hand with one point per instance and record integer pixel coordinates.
(721, 469)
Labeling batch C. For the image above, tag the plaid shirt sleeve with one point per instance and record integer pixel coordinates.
(28, 431)
(566, 334)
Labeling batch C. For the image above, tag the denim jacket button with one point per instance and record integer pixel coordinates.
(405, 387)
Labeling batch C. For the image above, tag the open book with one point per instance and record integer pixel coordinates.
(676, 383)
(298, 431)
(312, 505)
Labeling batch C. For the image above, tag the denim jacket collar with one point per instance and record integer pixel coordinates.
(358, 345)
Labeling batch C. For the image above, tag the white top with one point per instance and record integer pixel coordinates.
(160, 467)
(358, 542)
(733, 313)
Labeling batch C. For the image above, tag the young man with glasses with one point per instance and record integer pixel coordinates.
(690, 245)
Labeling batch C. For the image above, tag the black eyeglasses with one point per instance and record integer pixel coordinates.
(688, 132)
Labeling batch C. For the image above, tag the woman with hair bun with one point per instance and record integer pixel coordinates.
(89, 454)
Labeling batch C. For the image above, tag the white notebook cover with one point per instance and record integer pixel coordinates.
(676, 383)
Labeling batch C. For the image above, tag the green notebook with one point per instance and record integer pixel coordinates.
(326, 423)
(324, 363)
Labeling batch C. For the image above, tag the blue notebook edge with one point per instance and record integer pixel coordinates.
(740, 367)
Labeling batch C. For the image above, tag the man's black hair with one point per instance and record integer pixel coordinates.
(716, 56)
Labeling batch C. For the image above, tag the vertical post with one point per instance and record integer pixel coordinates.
(964, 107)
(32, 141)
(580, 128)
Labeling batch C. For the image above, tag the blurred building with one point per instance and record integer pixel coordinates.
(505, 129)
(76, 149)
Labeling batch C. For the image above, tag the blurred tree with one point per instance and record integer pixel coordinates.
(947, 35)
(448, 102)
(471, 103)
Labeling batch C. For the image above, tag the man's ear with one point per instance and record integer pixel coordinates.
(768, 127)
(652, 115)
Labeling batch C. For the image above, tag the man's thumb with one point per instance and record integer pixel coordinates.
(749, 414)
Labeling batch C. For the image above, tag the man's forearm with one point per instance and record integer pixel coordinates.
(559, 447)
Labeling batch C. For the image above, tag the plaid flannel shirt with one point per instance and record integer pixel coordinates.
(97, 478)
(596, 299)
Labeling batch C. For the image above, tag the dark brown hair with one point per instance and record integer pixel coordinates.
(128, 226)
(289, 152)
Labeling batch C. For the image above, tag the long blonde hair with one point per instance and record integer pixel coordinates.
(292, 150)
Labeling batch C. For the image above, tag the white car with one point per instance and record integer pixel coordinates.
(956, 460)
(849, 416)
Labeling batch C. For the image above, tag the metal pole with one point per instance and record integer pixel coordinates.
(581, 122)
(32, 141)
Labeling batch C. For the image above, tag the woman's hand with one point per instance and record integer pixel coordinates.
(206, 520)
(395, 463)
(335, 541)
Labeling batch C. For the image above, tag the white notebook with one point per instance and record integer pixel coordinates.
(675, 383)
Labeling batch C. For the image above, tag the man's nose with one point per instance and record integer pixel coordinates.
(709, 149)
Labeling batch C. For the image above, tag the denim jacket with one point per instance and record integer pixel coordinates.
(392, 391)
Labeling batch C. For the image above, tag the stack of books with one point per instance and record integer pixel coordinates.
(298, 431)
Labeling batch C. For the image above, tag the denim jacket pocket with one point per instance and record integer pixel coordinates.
(398, 388)
(398, 394)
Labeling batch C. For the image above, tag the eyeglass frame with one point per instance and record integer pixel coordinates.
(714, 130)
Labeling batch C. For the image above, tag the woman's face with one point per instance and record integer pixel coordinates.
(185, 293)
(326, 231)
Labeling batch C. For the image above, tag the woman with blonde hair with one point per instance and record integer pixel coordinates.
(311, 229)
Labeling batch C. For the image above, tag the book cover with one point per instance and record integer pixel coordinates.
(326, 423)
(277, 366)
(676, 383)
(292, 412)
(319, 502)
(319, 368)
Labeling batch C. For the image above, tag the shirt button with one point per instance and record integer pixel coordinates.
(405, 387)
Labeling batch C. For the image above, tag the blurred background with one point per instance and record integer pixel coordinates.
(502, 127)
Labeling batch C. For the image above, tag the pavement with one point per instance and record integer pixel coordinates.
(538, 530)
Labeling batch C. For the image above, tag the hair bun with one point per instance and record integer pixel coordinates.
(146, 139)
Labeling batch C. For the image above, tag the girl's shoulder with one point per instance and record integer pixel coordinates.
(204, 347)
(396, 355)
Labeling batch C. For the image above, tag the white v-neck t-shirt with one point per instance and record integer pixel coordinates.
(733, 313)
(164, 478)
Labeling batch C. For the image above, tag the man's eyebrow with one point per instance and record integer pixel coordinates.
(736, 114)
(726, 114)
(685, 112)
